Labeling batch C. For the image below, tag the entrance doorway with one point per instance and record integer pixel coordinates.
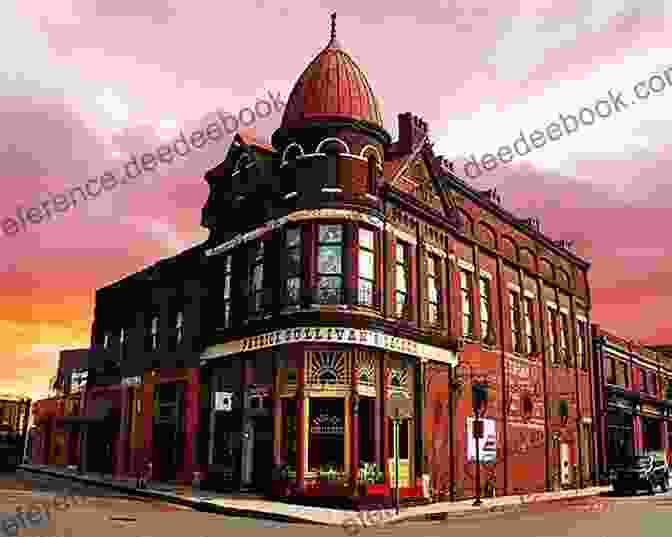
(167, 430)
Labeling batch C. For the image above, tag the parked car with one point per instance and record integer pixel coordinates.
(643, 472)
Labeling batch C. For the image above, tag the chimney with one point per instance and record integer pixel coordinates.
(405, 132)
(412, 129)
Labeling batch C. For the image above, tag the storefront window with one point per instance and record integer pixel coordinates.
(330, 263)
(326, 447)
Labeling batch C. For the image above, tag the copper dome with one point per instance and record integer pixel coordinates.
(332, 87)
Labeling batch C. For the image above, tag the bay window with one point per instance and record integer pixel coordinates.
(330, 263)
(433, 311)
(293, 246)
(366, 266)
(466, 293)
(401, 290)
(227, 291)
(256, 281)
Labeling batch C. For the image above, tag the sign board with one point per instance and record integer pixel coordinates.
(131, 381)
(487, 445)
(224, 401)
(336, 334)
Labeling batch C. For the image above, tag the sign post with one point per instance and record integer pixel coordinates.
(397, 421)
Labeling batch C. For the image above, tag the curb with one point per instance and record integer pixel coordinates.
(203, 505)
(495, 508)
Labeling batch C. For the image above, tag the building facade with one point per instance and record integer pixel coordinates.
(634, 399)
(350, 283)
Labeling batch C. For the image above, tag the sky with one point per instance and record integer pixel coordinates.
(97, 81)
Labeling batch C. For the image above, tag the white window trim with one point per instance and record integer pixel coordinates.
(485, 274)
(513, 287)
(465, 265)
(529, 294)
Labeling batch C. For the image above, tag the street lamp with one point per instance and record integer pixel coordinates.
(479, 398)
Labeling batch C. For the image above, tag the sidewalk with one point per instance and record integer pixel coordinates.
(258, 507)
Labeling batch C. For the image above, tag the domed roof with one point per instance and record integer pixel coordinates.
(332, 87)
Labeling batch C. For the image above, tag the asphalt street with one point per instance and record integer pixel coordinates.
(103, 512)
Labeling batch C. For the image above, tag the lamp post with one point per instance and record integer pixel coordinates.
(479, 400)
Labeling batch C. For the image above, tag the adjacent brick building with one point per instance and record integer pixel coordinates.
(633, 408)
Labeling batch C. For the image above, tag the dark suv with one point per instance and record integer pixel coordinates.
(643, 472)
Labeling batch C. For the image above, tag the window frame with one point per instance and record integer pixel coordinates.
(402, 308)
(552, 335)
(433, 282)
(515, 322)
(581, 344)
(528, 316)
(372, 250)
(293, 273)
(467, 299)
(485, 299)
(257, 259)
(564, 335)
(340, 276)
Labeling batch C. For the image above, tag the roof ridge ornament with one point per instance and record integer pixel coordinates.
(333, 42)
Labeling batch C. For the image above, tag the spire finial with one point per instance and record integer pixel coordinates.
(333, 26)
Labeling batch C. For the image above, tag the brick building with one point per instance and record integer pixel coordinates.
(348, 276)
(633, 408)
